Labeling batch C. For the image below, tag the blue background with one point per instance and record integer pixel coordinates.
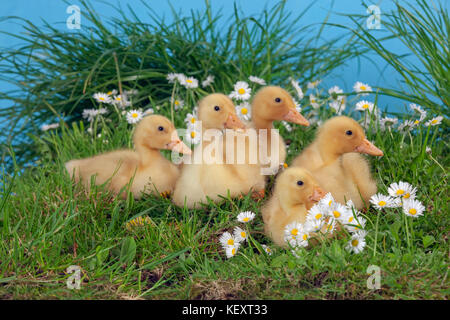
(54, 12)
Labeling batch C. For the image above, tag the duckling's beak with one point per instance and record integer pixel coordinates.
(369, 148)
(295, 117)
(233, 122)
(317, 194)
(177, 145)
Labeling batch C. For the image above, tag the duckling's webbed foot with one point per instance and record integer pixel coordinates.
(258, 195)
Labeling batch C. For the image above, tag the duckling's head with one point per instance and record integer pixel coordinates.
(217, 111)
(296, 186)
(158, 132)
(341, 135)
(274, 103)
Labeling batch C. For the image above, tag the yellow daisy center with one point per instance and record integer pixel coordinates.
(412, 211)
(192, 134)
(230, 242)
(318, 216)
(101, 98)
(336, 214)
(382, 203)
(294, 232)
(400, 191)
(268, 250)
(241, 91)
(109, 92)
(406, 196)
(244, 111)
(192, 120)
(313, 100)
(350, 219)
(305, 237)
(243, 234)
(363, 88)
(134, 115)
(233, 251)
(355, 242)
(189, 80)
(329, 203)
(365, 106)
(245, 219)
(177, 102)
(434, 121)
(285, 165)
(416, 122)
(118, 98)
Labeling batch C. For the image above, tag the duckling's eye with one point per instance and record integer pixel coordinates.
(160, 128)
(217, 108)
(300, 182)
(277, 99)
(349, 132)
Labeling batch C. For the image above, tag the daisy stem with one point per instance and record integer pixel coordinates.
(172, 102)
(407, 232)
(376, 235)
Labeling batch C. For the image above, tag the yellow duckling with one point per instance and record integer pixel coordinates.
(270, 104)
(295, 192)
(148, 169)
(215, 111)
(333, 159)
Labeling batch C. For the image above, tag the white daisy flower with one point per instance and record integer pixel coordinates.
(297, 88)
(435, 121)
(313, 84)
(413, 208)
(121, 101)
(380, 201)
(244, 111)
(327, 202)
(340, 212)
(241, 91)
(315, 225)
(46, 127)
(407, 125)
(402, 189)
(287, 126)
(355, 223)
(193, 134)
(357, 242)
(191, 119)
(148, 111)
(131, 92)
(189, 82)
(350, 205)
(227, 240)
(267, 249)
(209, 79)
(134, 116)
(364, 105)
(396, 203)
(172, 77)
(101, 97)
(239, 234)
(302, 238)
(428, 150)
(360, 87)
(231, 251)
(418, 109)
(313, 101)
(337, 105)
(90, 114)
(329, 226)
(112, 92)
(257, 80)
(245, 216)
(316, 213)
(387, 122)
(177, 103)
(298, 107)
(291, 232)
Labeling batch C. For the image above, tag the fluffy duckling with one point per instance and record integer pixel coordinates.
(146, 167)
(270, 104)
(334, 160)
(295, 192)
(197, 181)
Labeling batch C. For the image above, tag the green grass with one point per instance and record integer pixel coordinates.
(48, 224)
